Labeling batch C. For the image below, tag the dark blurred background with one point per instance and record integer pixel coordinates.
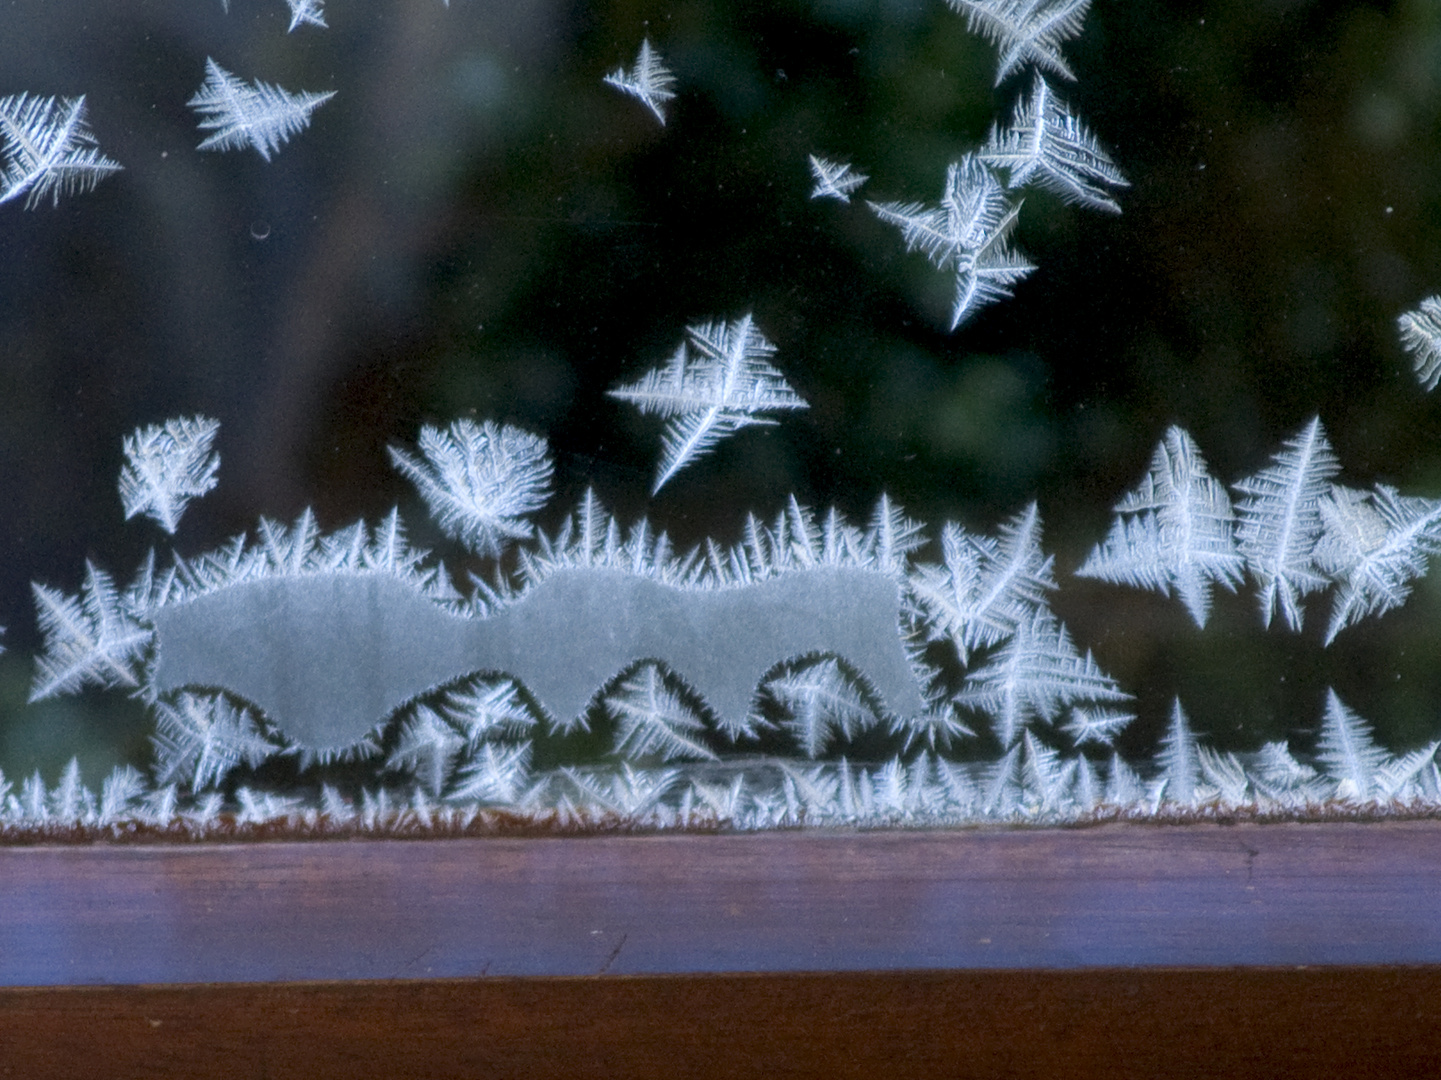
(477, 226)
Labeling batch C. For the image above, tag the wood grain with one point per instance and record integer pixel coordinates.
(1114, 896)
(1075, 1024)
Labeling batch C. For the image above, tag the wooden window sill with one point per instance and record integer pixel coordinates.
(1112, 950)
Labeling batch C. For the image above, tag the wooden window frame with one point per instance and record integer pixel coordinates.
(1116, 950)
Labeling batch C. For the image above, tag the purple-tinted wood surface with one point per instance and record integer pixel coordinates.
(1110, 896)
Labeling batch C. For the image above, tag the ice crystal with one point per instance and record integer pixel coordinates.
(724, 383)
(834, 180)
(1280, 522)
(49, 149)
(88, 638)
(648, 80)
(1048, 146)
(200, 737)
(255, 114)
(1421, 337)
(480, 481)
(1173, 533)
(967, 234)
(167, 465)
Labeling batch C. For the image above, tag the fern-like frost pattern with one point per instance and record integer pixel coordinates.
(480, 481)
(967, 235)
(240, 114)
(648, 80)
(1026, 31)
(167, 465)
(1173, 533)
(834, 179)
(1374, 545)
(1279, 523)
(718, 382)
(1048, 146)
(1421, 337)
(49, 149)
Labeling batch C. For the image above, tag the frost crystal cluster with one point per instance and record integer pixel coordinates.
(722, 383)
(648, 81)
(815, 671)
(240, 114)
(166, 466)
(731, 685)
(49, 149)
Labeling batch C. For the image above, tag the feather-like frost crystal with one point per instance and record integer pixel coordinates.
(1348, 751)
(484, 709)
(986, 587)
(649, 81)
(498, 773)
(966, 234)
(1034, 675)
(823, 703)
(1173, 533)
(725, 382)
(1179, 760)
(1421, 337)
(89, 639)
(311, 12)
(428, 749)
(480, 480)
(1280, 522)
(201, 737)
(166, 466)
(49, 149)
(257, 114)
(834, 179)
(653, 721)
(1026, 31)
(1047, 145)
(1374, 545)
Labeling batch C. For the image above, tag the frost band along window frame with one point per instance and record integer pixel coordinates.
(1116, 950)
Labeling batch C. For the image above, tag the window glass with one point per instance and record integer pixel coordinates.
(1104, 331)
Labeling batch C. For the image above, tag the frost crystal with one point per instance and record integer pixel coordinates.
(1374, 545)
(167, 466)
(966, 234)
(1347, 750)
(648, 80)
(1026, 31)
(89, 640)
(201, 737)
(1280, 522)
(654, 721)
(823, 703)
(1173, 533)
(306, 11)
(725, 386)
(1421, 336)
(1179, 761)
(987, 588)
(497, 774)
(834, 180)
(49, 148)
(1035, 675)
(428, 748)
(255, 114)
(1048, 146)
(479, 481)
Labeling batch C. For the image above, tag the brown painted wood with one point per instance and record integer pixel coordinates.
(1112, 896)
(1112, 1024)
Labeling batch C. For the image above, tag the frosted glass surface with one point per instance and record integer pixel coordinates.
(478, 226)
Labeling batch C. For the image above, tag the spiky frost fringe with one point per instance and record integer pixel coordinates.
(1031, 785)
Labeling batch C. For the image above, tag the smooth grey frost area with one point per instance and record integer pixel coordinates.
(329, 656)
